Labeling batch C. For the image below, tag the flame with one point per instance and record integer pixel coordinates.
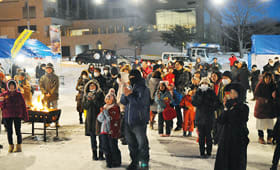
(37, 105)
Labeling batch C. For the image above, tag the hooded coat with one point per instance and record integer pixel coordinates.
(233, 140)
(137, 104)
(80, 88)
(92, 106)
(13, 105)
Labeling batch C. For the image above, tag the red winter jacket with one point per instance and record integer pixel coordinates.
(13, 105)
(170, 77)
(232, 60)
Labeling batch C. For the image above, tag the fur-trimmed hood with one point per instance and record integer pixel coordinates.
(98, 89)
(12, 81)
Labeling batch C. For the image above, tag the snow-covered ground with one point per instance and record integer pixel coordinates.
(72, 151)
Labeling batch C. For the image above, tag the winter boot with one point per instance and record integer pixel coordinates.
(190, 134)
(11, 148)
(269, 141)
(274, 167)
(132, 166)
(108, 161)
(184, 133)
(1, 146)
(18, 148)
(94, 155)
(144, 166)
(81, 118)
(101, 157)
(261, 140)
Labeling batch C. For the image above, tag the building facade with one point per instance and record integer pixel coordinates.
(84, 23)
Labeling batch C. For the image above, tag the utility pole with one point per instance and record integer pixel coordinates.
(28, 16)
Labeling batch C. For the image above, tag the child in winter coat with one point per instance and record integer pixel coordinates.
(189, 112)
(110, 118)
(162, 96)
(14, 110)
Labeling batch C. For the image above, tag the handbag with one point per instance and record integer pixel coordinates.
(168, 113)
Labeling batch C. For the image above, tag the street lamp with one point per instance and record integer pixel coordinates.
(218, 2)
(98, 2)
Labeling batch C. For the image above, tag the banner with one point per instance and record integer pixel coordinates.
(20, 42)
(55, 36)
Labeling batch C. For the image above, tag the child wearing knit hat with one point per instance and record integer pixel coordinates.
(110, 119)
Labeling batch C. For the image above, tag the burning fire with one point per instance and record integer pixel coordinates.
(37, 105)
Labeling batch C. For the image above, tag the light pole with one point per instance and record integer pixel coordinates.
(27, 8)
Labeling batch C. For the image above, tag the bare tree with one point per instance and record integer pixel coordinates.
(237, 16)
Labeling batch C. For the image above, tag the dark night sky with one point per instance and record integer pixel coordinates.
(274, 9)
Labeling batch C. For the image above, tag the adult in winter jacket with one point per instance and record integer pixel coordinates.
(269, 67)
(40, 71)
(232, 147)
(182, 80)
(92, 102)
(163, 95)
(276, 131)
(215, 66)
(235, 71)
(206, 102)
(243, 76)
(137, 107)
(25, 88)
(277, 74)
(82, 81)
(232, 59)
(153, 86)
(254, 77)
(264, 108)
(49, 86)
(101, 80)
(222, 92)
(14, 110)
(91, 71)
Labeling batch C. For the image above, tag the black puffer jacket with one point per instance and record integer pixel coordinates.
(206, 102)
(182, 80)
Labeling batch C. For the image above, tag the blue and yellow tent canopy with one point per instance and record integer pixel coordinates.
(32, 48)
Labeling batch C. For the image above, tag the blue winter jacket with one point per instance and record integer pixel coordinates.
(104, 119)
(137, 104)
(177, 97)
(160, 101)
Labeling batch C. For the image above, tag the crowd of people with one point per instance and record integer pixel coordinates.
(121, 101)
(197, 95)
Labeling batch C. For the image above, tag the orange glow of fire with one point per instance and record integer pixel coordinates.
(37, 105)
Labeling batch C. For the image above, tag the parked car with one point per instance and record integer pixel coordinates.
(95, 56)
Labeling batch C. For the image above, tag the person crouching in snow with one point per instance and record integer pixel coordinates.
(110, 118)
(162, 96)
(14, 110)
(189, 112)
(206, 102)
(92, 102)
